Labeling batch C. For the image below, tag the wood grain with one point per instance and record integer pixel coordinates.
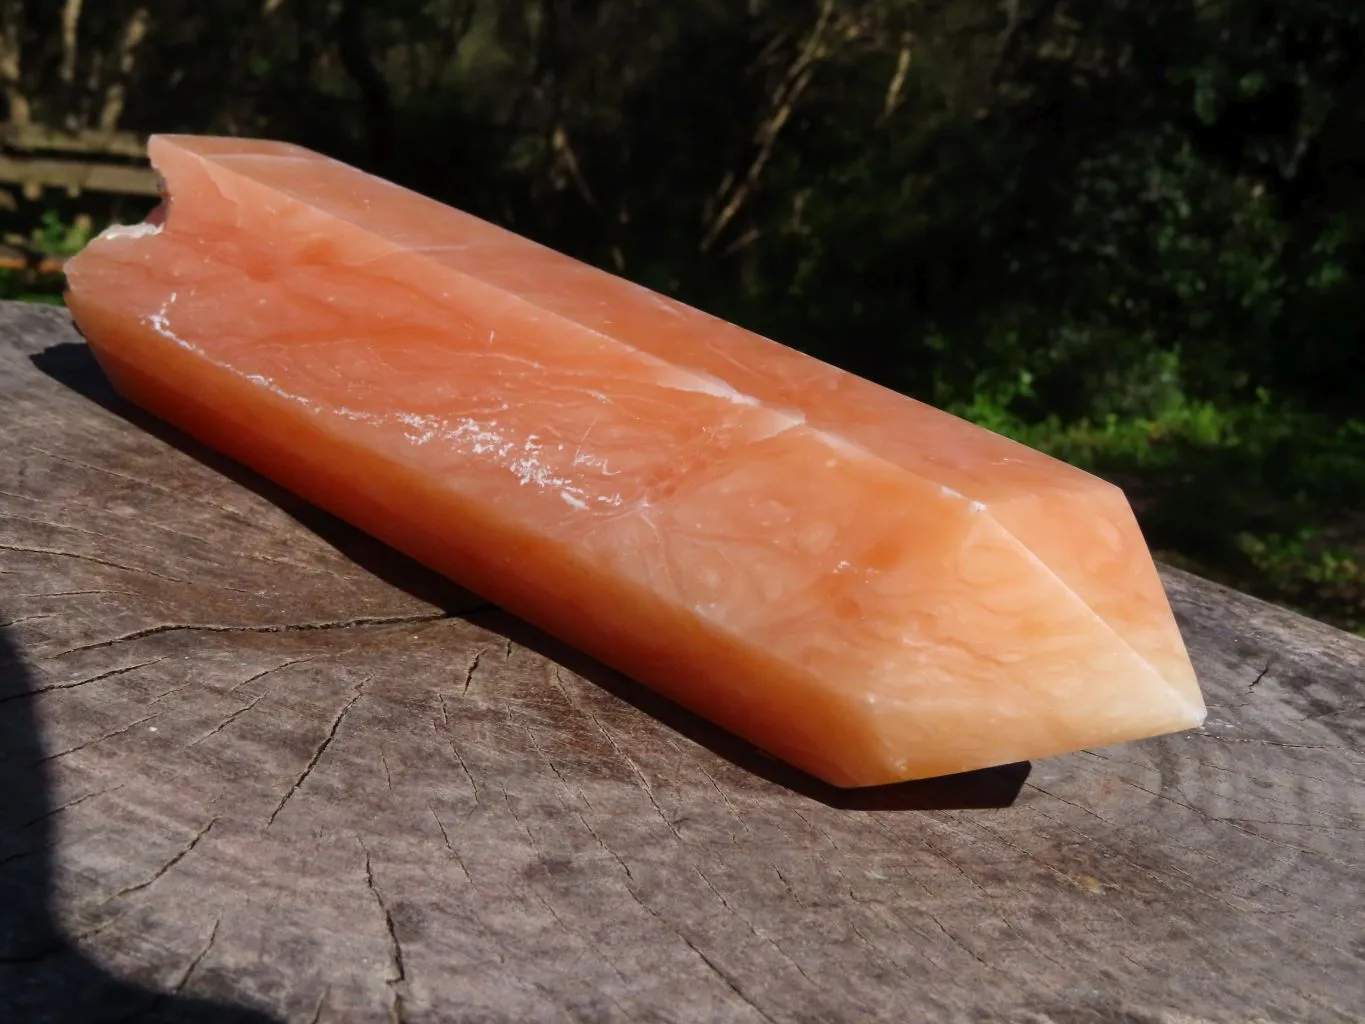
(255, 767)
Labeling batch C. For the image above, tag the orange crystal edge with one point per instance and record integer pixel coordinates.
(1066, 638)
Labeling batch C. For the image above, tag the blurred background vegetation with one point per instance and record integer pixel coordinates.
(1129, 233)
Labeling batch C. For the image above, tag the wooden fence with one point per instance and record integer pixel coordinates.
(35, 160)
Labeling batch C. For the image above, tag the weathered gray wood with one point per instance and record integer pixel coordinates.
(254, 767)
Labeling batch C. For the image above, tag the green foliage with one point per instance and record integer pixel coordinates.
(1131, 234)
(52, 238)
(55, 237)
(1262, 496)
(20, 287)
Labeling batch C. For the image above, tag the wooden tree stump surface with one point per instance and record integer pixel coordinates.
(257, 767)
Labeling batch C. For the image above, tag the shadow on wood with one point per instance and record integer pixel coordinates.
(73, 366)
(989, 787)
(43, 978)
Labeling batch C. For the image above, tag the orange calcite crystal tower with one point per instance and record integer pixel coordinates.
(864, 586)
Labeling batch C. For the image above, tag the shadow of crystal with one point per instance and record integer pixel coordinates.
(73, 366)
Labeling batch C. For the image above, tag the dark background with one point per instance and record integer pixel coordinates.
(1130, 233)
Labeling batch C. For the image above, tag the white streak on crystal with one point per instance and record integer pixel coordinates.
(779, 423)
(467, 435)
(160, 322)
(116, 231)
(974, 506)
(705, 384)
(352, 414)
(594, 462)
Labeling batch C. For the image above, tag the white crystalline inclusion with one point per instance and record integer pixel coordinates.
(707, 385)
(123, 231)
(975, 506)
(160, 322)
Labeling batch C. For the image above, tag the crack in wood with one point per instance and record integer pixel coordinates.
(159, 999)
(98, 739)
(388, 778)
(72, 528)
(162, 871)
(582, 936)
(398, 974)
(288, 627)
(786, 884)
(95, 560)
(725, 798)
(166, 693)
(66, 806)
(322, 1002)
(99, 591)
(731, 983)
(317, 755)
(612, 853)
(56, 948)
(275, 668)
(635, 768)
(228, 721)
(184, 978)
(41, 851)
(1261, 675)
(473, 667)
(565, 788)
(455, 750)
(25, 618)
(450, 847)
(1270, 743)
(761, 936)
(141, 482)
(98, 677)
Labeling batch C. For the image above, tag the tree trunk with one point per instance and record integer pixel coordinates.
(11, 62)
(125, 62)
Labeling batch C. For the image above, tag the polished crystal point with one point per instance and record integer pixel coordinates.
(865, 586)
